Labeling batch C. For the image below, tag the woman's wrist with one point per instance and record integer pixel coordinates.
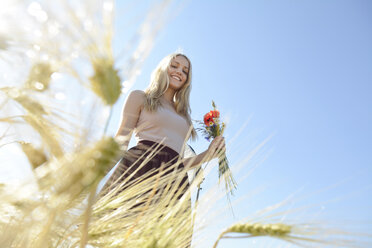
(197, 159)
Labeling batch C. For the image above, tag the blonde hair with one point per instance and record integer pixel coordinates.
(160, 83)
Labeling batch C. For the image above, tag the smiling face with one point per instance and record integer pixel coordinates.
(178, 71)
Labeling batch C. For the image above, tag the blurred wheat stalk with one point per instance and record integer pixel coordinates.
(59, 78)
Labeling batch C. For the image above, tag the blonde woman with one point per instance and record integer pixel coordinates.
(160, 117)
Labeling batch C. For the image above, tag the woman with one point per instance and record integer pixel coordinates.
(160, 117)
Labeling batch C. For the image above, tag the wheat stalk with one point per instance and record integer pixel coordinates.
(257, 229)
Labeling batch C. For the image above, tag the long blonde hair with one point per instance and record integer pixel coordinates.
(160, 83)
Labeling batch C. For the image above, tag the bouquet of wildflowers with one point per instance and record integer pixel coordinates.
(211, 128)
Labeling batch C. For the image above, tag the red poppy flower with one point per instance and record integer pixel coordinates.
(208, 119)
(215, 113)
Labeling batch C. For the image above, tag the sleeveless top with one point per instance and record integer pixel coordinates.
(163, 126)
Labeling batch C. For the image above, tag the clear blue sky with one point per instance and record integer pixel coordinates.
(302, 71)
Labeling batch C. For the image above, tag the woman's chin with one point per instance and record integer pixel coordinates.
(175, 86)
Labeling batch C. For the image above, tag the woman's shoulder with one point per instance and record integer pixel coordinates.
(136, 99)
(137, 96)
(137, 93)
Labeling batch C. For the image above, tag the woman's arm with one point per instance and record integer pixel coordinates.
(129, 118)
(212, 152)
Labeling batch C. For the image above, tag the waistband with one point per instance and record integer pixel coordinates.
(158, 146)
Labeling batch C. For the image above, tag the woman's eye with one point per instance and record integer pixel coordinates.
(173, 66)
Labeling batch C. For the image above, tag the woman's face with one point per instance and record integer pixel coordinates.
(178, 71)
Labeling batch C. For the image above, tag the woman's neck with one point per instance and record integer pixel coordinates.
(169, 95)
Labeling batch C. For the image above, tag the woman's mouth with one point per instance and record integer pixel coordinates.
(176, 77)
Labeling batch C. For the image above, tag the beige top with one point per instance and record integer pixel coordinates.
(164, 126)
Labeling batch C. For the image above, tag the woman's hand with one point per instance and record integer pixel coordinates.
(217, 146)
(214, 150)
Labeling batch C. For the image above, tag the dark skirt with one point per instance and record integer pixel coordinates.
(134, 158)
(163, 156)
